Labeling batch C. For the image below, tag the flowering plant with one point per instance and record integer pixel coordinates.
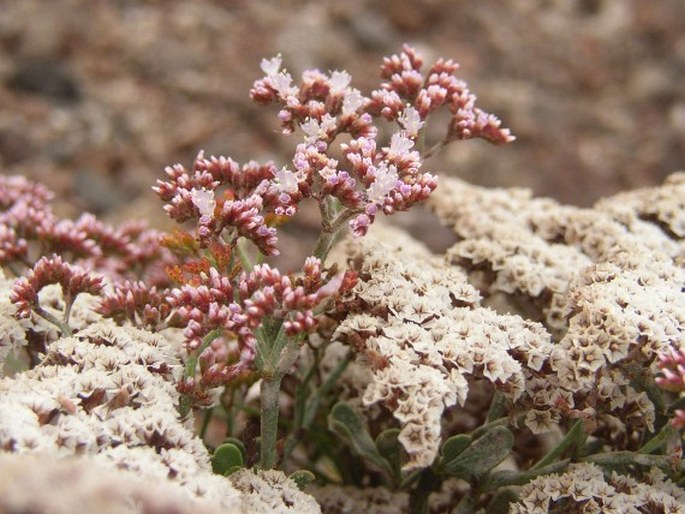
(428, 375)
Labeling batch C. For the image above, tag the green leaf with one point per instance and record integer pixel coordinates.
(656, 442)
(573, 439)
(302, 477)
(227, 457)
(626, 458)
(233, 470)
(454, 446)
(501, 501)
(482, 455)
(497, 407)
(391, 450)
(388, 445)
(349, 426)
(238, 443)
(505, 478)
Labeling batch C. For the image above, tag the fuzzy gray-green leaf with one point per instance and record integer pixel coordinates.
(482, 455)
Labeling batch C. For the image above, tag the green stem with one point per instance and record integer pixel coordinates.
(69, 301)
(205, 422)
(269, 393)
(243, 256)
(330, 230)
(434, 149)
(64, 328)
(276, 353)
(186, 402)
(574, 436)
(625, 458)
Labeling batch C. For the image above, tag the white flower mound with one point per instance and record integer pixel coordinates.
(101, 404)
(428, 337)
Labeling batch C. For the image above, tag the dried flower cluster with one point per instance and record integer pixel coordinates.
(271, 491)
(371, 500)
(46, 484)
(584, 488)
(606, 291)
(419, 325)
(109, 394)
(605, 281)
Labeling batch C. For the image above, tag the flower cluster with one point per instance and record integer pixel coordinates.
(584, 488)
(138, 303)
(603, 282)
(48, 484)
(29, 230)
(108, 395)
(541, 318)
(418, 324)
(229, 202)
(221, 195)
(409, 98)
(374, 178)
(271, 491)
(54, 270)
(239, 308)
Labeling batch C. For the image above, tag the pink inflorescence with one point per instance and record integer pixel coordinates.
(371, 179)
(672, 367)
(52, 270)
(29, 229)
(241, 306)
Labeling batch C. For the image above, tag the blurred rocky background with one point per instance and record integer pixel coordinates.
(97, 96)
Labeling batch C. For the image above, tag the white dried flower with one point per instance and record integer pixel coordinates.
(286, 181)
(583, 488)
(270, 67)
(316, 130)
(400, 145)
(339, 81)
(108, 395)
(410, 121)
(204, 200)
(386, 181)
(270, 491)
(352, 101)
